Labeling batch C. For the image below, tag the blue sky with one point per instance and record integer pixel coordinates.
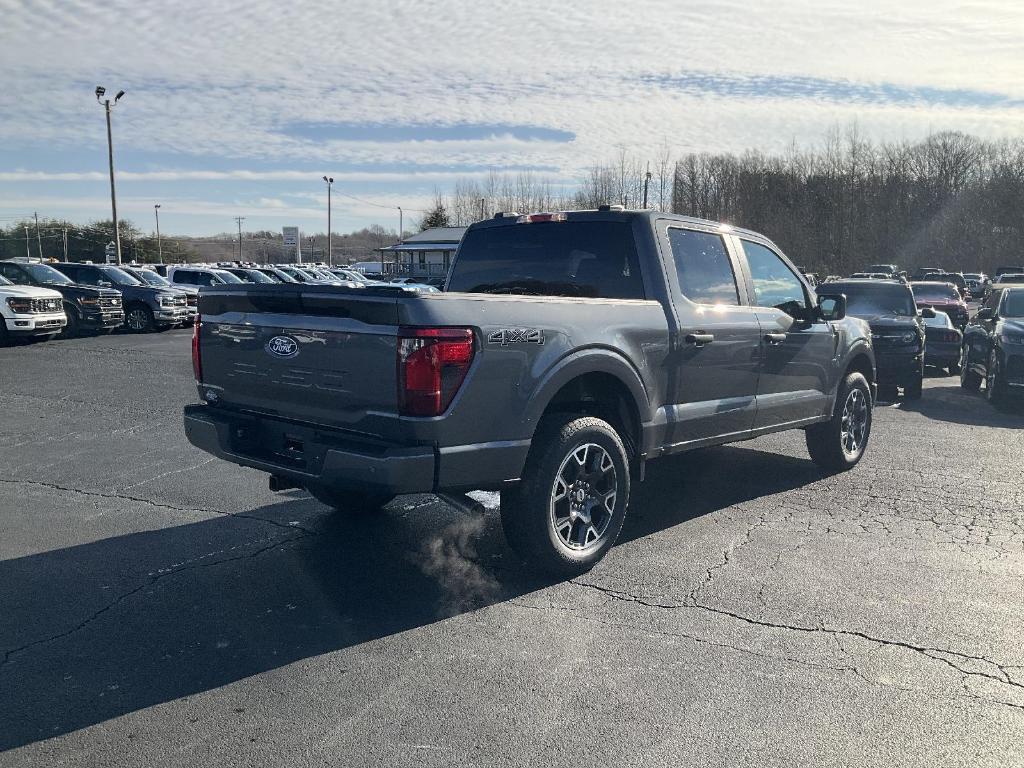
(230, 114)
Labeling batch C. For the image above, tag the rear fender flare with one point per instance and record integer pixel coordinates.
(581, 363)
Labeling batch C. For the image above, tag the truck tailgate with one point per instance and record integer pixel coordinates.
(309, 353)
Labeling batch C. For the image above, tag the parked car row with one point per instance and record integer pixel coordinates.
(46, 299)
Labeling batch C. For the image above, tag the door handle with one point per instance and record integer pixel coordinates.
(699, 339)
(775, 338)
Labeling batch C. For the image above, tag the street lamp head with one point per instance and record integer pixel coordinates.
(118, 97)
(330, 180)
(100, 90)
(325, 178)
(156, 205)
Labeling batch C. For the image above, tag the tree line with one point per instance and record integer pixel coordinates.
(950, 200)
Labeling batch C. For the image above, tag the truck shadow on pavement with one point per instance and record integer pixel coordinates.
(104, 629)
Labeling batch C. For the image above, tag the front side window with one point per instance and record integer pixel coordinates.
(775, 285)
(703, 266)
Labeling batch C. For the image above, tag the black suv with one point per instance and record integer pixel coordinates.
(146, 308)
(87, 308)
(993, 347)
(897, 332)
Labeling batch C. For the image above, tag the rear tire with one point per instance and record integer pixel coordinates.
(839, 443)
(914, 389)
(349, 501)
(888, 393)
(570, 504)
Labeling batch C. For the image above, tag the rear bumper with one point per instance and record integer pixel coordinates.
(308, 455)
(942, 353)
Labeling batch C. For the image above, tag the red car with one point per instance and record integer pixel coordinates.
(944, 297)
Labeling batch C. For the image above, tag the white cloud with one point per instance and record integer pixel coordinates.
(206, 83)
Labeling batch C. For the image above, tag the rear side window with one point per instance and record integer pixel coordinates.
(184, 277)
(775, 284)
(591, 259)
(702, 263)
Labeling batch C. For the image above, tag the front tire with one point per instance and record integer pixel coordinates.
(969, 380)
(139, 319)
(570, 504)
(839, 443)
(995, 387)
(73, 327)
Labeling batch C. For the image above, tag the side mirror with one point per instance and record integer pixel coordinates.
(832, 306)
(927, 312)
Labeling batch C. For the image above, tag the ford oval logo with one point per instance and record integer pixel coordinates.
(283, 346)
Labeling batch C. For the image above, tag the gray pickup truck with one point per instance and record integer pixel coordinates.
(566, 351)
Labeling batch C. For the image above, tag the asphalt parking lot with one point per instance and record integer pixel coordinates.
(161, 608)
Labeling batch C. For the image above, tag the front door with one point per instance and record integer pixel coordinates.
(713, 366)
(798, 350)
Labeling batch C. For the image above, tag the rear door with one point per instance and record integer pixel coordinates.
(797, 350)
(715, 357)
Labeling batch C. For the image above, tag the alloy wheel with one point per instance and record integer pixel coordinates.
(583, 497)
(854, 424)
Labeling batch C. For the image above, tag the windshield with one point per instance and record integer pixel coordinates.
(45, 274)
(941, 320)
(151, 277)
(226, 276)
(595, 259)
(250, 276)
(119, 276)
(934, 292)
(5, 281)
(871, 299)
(1013, 304)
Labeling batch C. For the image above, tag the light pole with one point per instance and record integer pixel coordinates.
(107, 104)
(647, 181)
(401, 226)
(239, 219)
(329, 181)
(159, 245)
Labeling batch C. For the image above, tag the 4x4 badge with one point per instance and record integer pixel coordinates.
(507, 336)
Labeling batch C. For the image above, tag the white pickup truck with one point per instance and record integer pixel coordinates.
(28, 310)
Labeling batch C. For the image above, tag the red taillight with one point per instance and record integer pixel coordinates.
(197, 363)
(432, 363)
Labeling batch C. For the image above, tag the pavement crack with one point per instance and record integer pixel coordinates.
(151, 579)
(292, 525)
(956, 660)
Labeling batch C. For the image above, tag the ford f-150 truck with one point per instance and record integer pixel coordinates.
(28, 311)
(566, 351)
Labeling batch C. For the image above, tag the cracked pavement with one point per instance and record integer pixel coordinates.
(162, 608)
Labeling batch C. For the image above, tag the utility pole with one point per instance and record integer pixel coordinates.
(239, 219)
(28, 250)
(647, 181)
(330, 182)
(401, 227)
(39, 240)
(482, 214)
(65, 243)
(311, 239)
(107, 104)
(159, 245)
